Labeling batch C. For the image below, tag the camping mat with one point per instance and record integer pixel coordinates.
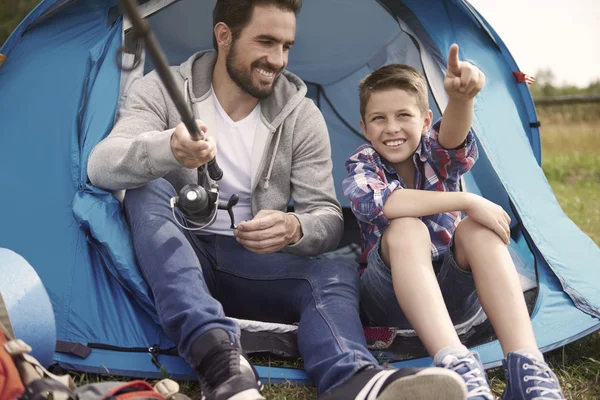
(29, 308)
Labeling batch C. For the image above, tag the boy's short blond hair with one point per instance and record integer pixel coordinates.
(394, 76)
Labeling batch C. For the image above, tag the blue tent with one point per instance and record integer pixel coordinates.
(60, 88)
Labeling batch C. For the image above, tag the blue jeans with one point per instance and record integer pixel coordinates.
(198, 279)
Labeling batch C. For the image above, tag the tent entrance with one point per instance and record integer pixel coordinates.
(332, 70)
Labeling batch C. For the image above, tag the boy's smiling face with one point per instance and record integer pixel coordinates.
(394, 124)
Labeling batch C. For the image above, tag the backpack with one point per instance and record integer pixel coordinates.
(23, 377)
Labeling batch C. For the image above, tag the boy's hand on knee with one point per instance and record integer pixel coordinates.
(490, 215)
(463, 80)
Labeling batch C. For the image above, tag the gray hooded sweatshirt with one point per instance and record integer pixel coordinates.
(291, 155)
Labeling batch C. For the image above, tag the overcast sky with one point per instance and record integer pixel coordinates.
(557, 34)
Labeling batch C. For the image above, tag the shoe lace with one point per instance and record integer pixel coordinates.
(476, 383)
(217, 366)
(542, 375)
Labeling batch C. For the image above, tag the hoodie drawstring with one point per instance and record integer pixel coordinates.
(270, 170)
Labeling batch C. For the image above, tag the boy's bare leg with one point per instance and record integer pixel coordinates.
(406, 247)
(497, 284)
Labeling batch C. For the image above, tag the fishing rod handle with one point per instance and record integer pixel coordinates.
(214, 171)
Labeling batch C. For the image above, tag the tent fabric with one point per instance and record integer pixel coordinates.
(60, 90)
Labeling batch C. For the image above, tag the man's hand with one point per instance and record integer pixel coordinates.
(189, 152)
(490, 215)
(463, 80)
(269, 231)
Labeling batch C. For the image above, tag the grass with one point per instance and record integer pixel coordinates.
(571, 162)
(577, 366)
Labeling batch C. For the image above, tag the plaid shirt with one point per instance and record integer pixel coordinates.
(372, 179)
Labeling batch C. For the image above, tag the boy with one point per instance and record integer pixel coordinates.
(404, 190)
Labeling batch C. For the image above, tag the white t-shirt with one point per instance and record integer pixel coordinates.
(235, 141)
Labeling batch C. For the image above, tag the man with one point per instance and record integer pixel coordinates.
(273, 145)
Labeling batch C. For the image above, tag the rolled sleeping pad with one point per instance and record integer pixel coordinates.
(29, 308)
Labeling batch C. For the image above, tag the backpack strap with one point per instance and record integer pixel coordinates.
(43, 389)
(5, 325)
(40, 384)
(30, 370)
(170, 390)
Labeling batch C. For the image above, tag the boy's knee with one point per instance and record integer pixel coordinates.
(469, 232)
(410, 228)
(406, 231)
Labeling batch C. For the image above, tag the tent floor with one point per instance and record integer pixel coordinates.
(284, 345)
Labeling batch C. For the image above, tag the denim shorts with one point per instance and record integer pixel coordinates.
(379, 306)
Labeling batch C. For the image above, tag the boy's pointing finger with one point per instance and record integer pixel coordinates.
(453, 61)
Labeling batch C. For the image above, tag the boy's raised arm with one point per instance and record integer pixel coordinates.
(462, 83)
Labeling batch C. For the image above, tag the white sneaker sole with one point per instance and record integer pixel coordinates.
(429, 384)
(250, 394)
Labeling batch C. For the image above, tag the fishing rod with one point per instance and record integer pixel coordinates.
(198, 204)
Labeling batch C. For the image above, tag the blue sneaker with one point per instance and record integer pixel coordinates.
(528, 379)
(471, 370)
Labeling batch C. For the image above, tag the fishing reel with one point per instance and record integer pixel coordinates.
(199, 206)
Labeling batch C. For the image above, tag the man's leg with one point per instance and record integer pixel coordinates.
(323, 297)
(176, 266)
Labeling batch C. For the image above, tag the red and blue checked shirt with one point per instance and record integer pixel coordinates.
(371, 180)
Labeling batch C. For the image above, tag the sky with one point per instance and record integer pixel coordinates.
(563, 35)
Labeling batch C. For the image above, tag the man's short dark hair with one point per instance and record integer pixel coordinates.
(237, 13)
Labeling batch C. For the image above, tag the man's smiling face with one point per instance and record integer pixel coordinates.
(260, 53)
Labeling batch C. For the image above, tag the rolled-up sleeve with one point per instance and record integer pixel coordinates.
(366, 187)
(451, 164)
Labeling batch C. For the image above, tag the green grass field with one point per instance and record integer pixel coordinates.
(571, 162)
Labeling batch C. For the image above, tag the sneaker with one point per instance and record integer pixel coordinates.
(399, 384)
(223, 370)
(471, 370)
(528, 378)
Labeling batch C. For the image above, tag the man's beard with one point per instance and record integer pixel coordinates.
(243, 78)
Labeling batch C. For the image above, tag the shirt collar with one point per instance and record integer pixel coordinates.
(421, 152)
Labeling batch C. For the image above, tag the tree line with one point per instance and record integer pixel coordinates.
(545, 86)
(11, 13)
